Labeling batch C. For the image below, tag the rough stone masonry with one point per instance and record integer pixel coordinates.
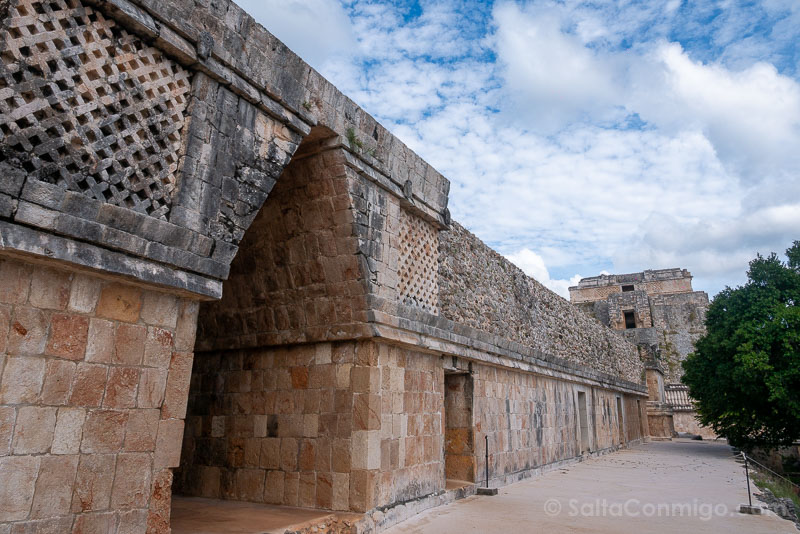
(221, 277)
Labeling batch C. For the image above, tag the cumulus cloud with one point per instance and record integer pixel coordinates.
(751, 116)
(553, 77)
(533, 265)
(316, 30)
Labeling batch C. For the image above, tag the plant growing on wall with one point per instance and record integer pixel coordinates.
(745, 372)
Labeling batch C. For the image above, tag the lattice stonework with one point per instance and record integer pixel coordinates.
(419, 265)
(88, 106)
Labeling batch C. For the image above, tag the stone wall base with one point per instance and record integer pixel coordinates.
(687, 422)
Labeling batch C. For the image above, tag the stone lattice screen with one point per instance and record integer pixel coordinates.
(89, 107)
(418, 267)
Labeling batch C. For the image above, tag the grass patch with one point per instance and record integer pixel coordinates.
(779, 488)
(353, 140)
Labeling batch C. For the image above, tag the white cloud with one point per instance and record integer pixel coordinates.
(533, 265)
(552, 76)
(751, 116)
(316, 30)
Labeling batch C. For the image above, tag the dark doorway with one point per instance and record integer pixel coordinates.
(620, 421)
(584, 422)
(459, 438)
(630, 319)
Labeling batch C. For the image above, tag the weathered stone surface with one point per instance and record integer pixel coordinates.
(100, 343)
(121, 388)
(160, 500)
(68, 431)
(16, 491)
(50, 289)
(177, 391)
(17, 277)
(89, 385)
(53, 493)
(168, 443)
(68, 336)
(131, 487)
(93, 482)
(22, 380)
(482, 289)
(103, 431)
(160, 309)
(33, 431)
(59, 375)
(152, 384)
(85, 293)
(129, 344)
(120, 302)
(28, 333)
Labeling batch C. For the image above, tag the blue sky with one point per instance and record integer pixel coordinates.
(584, 136)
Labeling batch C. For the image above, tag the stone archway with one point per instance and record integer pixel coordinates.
(270, 414)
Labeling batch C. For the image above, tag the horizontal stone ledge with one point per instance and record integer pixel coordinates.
(29, 242)
(430, 344)
(419, 324)
(50, 207)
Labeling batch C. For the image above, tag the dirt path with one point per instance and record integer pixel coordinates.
(686, 487)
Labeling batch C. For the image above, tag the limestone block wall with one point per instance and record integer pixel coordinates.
(341, 426)
(531, 421)
(277, 426)
(361, 425)
(591, 294)
(480, 288)
(94, 377)
(606, 419)
(686, 422)
(459, 433)
(680, 321)
(666, 287)
(412, 426)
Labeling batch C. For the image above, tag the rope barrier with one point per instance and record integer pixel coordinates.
(750, 459)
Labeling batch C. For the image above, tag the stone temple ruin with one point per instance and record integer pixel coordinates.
(222, 278)
(659, 312)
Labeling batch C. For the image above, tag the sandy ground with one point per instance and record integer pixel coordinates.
(193, 515)
(679, 486)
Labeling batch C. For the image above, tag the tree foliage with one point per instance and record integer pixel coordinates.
(745, 372)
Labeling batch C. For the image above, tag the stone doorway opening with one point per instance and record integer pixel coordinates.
(583, 420)
(620, 421)
(459, 435)
(630, 319)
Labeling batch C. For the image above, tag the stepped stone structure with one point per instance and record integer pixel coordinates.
(222, 278)
(660, 312)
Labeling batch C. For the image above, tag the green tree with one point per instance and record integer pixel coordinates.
(745, 372)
